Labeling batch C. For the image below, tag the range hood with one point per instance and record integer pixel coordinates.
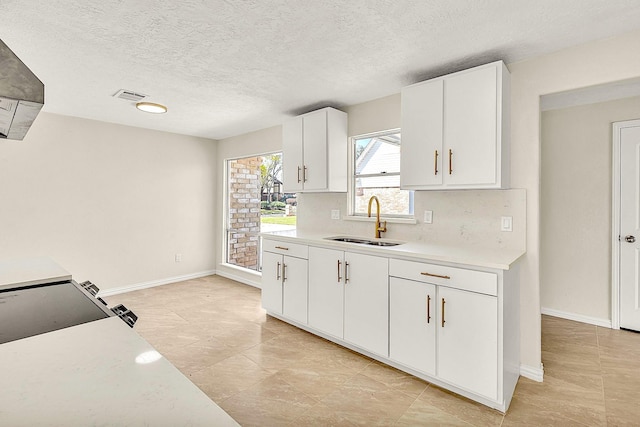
(21, 95)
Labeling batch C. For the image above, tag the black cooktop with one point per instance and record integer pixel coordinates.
(34, 310)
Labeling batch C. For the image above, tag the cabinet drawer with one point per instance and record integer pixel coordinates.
(285, 248)
(460, 278)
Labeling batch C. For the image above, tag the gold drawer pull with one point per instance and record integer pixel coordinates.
(442, 312)
(282, 247)
(428, 308)
(450, 161)
(435, 275)
(339, 277)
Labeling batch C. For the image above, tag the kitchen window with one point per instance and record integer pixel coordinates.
(375, 171)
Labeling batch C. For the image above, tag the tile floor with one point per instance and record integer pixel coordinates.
(265, 372)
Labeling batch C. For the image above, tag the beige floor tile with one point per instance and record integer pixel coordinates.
(365, 401)
(228, 377)
(395, 379)
(462, 408)
(523, 413)
(270, 402)
(321, 416)
(421, 413)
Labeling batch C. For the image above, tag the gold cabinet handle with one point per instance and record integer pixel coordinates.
(278, 272)
(435, 163)
(298, 173)
(282, 247)
(428, 308)
(450, 161)
(339, 278)
(304, 174)
(443, 312)
(346, 272)
(435, 275)
(284, 274)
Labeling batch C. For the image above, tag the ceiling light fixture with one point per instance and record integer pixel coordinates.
(150, 107)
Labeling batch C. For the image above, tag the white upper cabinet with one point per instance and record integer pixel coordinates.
(455, 131)
(314, 147)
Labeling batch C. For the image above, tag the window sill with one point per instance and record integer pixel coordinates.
(382, 218)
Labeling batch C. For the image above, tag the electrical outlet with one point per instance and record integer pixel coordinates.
(506, 223)
(335, 214)
(178, 257)
(428, 217)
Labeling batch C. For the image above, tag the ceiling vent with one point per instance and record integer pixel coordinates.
(130, 95)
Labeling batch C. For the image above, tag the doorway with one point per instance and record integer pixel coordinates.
(626, 226)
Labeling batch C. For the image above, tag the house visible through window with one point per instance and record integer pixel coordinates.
(376, 172)
(255, 203)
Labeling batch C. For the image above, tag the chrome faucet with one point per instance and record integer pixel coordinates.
(379, 228)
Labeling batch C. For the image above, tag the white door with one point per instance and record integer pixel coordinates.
(629, 134)
(412, 324)
(470, 127)
(294, 289)
(326, 290)
(366, 302)
(272, 282)
(315, 151)
(421, 149)
(468, 340)
(292, 155)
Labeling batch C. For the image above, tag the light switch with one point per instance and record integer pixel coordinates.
(506, 223)
(178, 257)
(428, 217)
(335, 214)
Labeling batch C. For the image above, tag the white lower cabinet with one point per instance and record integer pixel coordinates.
(468, 340)
(326, 291)
(284, 282)
(348, 297)
(456, 327)
(412, 324)
(366, 302)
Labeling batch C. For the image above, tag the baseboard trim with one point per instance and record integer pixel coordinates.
(533, 373)
(153, 283)
(605, 323)
(237, 278)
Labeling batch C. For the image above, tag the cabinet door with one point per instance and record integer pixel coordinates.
(470, 127)
(421, 150)
(272, 282)
(468, 340)
(412, 324)
(366, 302)
(292, 162)
(315, 151)
(294, 285)
(326, 290)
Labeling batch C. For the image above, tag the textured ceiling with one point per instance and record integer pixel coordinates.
(228, 67)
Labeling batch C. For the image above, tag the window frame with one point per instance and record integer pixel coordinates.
(352, 177)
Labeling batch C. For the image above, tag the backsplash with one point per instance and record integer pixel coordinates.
(469, 217)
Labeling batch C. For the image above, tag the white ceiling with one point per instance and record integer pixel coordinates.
(227, 67)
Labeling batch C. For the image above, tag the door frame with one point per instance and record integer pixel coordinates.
(615, 221)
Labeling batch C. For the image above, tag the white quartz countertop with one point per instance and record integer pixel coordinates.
(18, 272)
(87, 375)
(473, 256)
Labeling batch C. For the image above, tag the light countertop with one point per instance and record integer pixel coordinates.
(19, 272)
(87, 375)
(471, 256)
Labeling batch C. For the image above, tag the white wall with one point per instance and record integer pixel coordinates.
(575, 204)
(112, 204)
(586, 65)
(260, 142)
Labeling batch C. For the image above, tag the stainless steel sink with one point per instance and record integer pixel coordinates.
(363, 241)
(349, 240)
(379, 243)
